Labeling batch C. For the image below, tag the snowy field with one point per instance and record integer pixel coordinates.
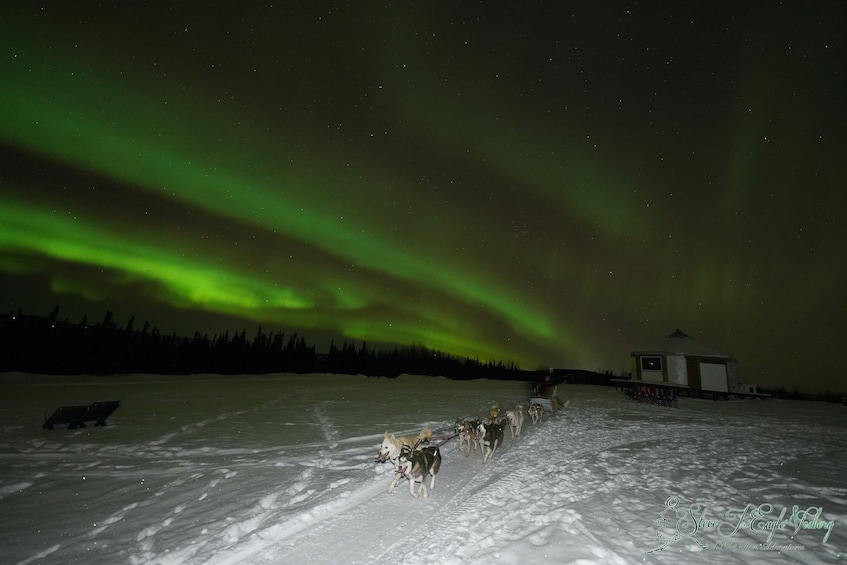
(280, 469)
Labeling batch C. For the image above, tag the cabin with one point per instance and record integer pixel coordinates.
(678, 365)
(678, 360)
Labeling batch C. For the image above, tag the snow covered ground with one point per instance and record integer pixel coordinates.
(280, 469)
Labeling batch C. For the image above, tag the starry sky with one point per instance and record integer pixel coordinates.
(550, 183)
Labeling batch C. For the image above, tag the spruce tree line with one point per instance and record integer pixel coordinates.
(38, 344)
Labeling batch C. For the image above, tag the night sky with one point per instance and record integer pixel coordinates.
(550, 183)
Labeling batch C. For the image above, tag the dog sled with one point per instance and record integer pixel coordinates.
(544, 394)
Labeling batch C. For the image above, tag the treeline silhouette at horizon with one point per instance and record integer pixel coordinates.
(43, 344)
(39, 344)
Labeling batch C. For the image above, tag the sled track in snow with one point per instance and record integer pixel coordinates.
(469, 498)
(481, 502)
(472, 503)
(389, 522)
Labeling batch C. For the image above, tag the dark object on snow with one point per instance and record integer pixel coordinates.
(77, 416)
(66, 415)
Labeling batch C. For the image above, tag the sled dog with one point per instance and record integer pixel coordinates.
(515, 420)
(536, 411)
(468, 437)
(415, 466)
(493, 414)
(392, 445)
(492, 437)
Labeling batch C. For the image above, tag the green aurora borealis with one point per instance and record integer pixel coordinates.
(555, 186)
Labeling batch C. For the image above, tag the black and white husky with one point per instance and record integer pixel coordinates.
(416, 465)
(492, 437)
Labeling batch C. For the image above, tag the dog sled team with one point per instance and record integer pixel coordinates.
(418, 463)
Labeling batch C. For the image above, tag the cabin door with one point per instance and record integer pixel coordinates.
(692, 367)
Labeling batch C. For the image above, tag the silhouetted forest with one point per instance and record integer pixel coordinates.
(39, 344)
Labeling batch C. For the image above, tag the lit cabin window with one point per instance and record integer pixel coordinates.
(651, 363)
